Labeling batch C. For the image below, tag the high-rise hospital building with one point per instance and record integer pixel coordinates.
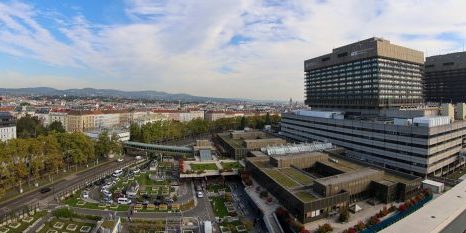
(368, 98)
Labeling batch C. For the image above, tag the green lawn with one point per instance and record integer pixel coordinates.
(203, 166)
(49, 225)
(232, 225)
(305, 197)
(280, 178)
(25, 225)
(297, 176)
(216, 187)
(218, 205)
(73, 201)
(231, 165)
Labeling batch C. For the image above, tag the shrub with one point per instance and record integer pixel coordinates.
(264, 194)
(324, 228)
(372, 221)
(344, 215)
(248, 182)
(392, 208)
(349, 230)
(402, 207)
(281, 213)
(360, 226)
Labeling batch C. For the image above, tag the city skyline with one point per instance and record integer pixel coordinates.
(245, 49)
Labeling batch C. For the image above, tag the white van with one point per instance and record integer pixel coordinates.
(124, 201)
(207, 226)
(117, 173)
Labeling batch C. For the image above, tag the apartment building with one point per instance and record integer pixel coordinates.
(7, 126)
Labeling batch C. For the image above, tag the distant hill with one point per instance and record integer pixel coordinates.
(91, 92)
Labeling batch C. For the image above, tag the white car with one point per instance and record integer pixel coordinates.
(200, 194)
(117, 173)
(120, 159)
(85, 194)
(124, 201)
(136, 171)
(107, 193)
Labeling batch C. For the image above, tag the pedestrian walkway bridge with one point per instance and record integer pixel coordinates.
(158, 148)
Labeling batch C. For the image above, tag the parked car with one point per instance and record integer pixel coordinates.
(145, 202)
(198, 188)
(168, 200)
(107, 193)
(200, 194)
(124, 201)
(85, 194)
(138, 157)
(157, 202)
(117, 173)
(107, 200)
(120, 159)
(136, 171)
(45, 190)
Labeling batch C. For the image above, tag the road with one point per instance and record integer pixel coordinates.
(202, 210)
(44, 198)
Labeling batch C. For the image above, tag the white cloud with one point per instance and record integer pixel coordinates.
(183, 46)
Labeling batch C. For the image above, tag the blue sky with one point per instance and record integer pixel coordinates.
(224, 48)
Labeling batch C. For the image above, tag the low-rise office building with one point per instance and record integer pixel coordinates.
(237, 144)
(421, 145)
(314, 185)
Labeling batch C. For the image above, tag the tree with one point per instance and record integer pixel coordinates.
(56, 126)
(103, 145)
(243, 123)
(344, 215)
(267, 119)
(29, 127)
(115, 144)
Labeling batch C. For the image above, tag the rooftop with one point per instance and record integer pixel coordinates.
(348, 176)
(305, 196)
(442, 214)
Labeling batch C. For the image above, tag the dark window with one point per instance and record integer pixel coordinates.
(448, 63)
(326, 59)
(343, 54)
(429, 66)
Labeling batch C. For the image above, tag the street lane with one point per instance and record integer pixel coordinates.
(35, 196)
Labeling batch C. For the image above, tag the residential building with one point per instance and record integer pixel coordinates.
(59, 116)
(369, 74)
(7, 126)
(445, 78)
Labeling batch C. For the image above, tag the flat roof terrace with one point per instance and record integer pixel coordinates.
(305, 196)
(297, 175)
(348, 177)
(236, 143)
(282, 179)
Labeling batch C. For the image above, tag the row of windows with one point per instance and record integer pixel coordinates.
(432, 136)
(404, 143)
(356, 142)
